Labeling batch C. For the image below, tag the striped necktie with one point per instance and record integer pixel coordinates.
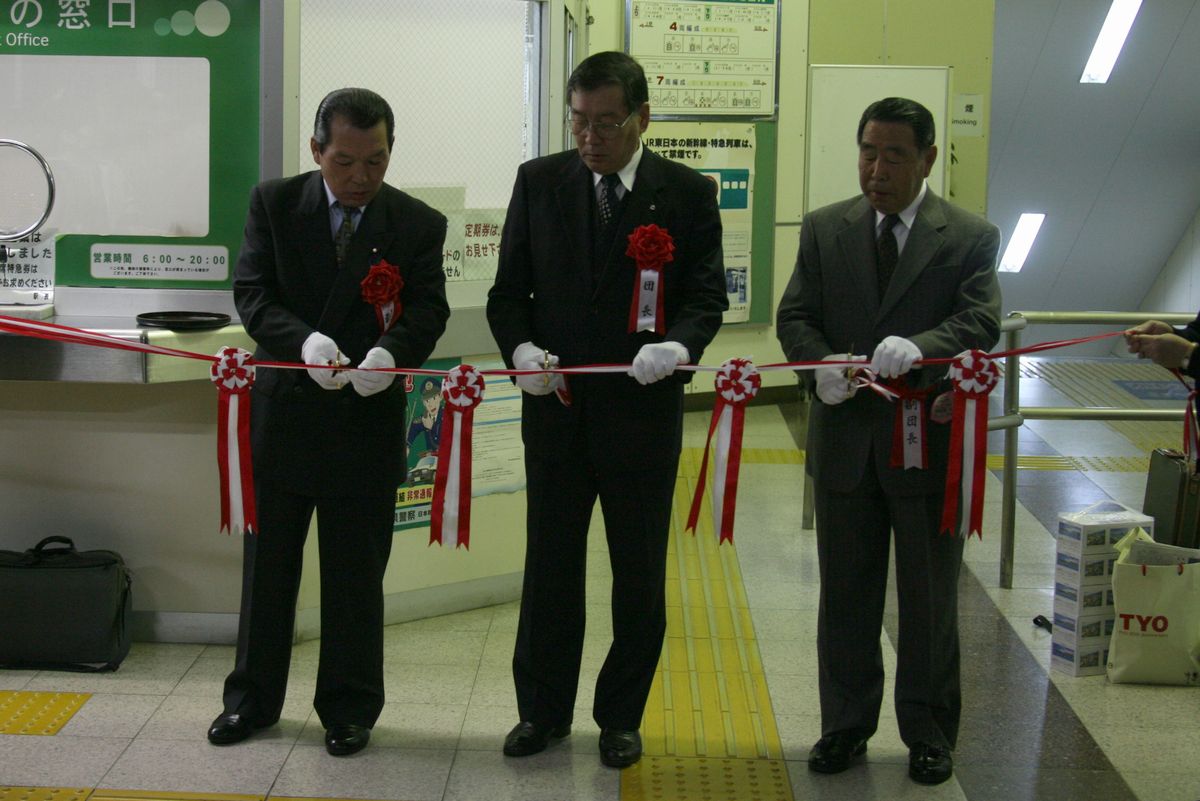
(342, 241)
(608, 202)
(887, 253)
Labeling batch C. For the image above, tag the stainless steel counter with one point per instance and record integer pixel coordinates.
(24, 358)
(114, 312)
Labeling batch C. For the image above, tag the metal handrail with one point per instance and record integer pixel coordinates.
(1015, 415)
(31, 229)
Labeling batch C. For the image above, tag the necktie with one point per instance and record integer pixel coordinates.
(609, 202)
(887, 253)
(342, 241)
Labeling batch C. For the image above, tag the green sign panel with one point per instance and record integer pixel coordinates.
(148, 113)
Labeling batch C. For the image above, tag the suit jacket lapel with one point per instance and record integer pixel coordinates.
(924, 241)
(857, 242)
(370, 240)
(312, 233)
(574, 183)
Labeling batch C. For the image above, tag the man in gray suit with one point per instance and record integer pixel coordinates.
(902, 275)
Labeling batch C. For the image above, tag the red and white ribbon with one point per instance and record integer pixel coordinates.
(450, 517)
(974, 375)
(381, 288)
(1191, 432)
(233, 373)
(908, 431)
(651, 248)
(386, 315)
(737, 383)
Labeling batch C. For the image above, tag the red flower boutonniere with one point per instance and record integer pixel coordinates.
(651, 248)
(381, 288)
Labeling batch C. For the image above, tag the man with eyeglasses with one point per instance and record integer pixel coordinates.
(567, 293)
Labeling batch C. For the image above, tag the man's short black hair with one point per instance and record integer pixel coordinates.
(611, 68)
(902, 110)
(361, 107)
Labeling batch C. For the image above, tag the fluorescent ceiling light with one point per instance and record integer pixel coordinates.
(1020, 243)
(1110, 41)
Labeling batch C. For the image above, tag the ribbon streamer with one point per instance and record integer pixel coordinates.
(451, 512)
(233, 373)
(450, 516)
(646, 313)
(908, 431)
(1191, 430)
(651, 248)
(737, 383)
(974, 376)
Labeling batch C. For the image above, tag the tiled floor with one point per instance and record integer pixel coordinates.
(1028, 732)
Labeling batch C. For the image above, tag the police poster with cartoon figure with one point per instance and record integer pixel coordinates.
(423, 424)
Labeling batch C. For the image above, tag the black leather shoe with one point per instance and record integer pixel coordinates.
(528, 738)
(620, 748)
(345, 739)
(230, 728)
(833, 753)
(929, 764)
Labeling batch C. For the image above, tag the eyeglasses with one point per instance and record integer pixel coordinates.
(605, 130)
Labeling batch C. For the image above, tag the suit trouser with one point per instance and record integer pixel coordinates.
(853, 541)
(636, 504)
(354, 540)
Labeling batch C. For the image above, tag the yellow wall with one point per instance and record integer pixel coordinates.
(954, 33)
(911, 32)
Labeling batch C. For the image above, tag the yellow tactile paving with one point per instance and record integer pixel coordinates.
(708, 732)
(88, 794)
(689, 464)
(704, 779)
(37, 713)
(1093, 383)
(43, 793)
(153, 795)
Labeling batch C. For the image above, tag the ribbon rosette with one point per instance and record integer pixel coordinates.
(974, 376)
(233, 373)
(450, 521)
(737, 382)
(651, 248)
(381, 288)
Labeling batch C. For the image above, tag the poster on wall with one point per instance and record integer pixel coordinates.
(723, 153)
(146, 112)
(497, 455)
(706, 58)
(472, 249)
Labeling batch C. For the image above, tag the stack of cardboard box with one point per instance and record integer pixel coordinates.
(1083, 596)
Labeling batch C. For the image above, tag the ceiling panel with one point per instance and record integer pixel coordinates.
(1115, 167)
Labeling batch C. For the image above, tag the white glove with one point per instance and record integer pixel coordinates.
(656, 361)
(369, 383)
(833, 383)
(894, 356)
(320, 349)
(529, 356)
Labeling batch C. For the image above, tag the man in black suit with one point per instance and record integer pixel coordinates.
(323, 439)
(567, 294)
(900, 274)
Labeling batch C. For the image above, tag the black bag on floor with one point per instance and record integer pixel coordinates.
(63, 609)
(1173, 498)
